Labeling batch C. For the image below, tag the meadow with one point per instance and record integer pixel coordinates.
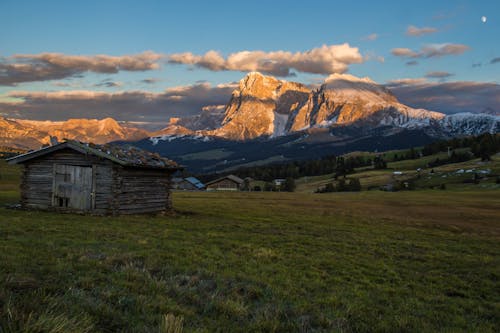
(372, 261)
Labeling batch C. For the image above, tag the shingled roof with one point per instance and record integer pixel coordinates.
(233, 178)
(125, 155)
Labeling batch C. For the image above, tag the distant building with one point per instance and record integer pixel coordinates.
(226, 183)
(187, 184)
(98, 179)
(279, 182)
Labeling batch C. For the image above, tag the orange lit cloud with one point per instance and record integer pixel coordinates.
(326, 59)
(431, 51)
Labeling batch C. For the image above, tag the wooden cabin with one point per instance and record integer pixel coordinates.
(187, 184)
(97, 179)
(226, 183)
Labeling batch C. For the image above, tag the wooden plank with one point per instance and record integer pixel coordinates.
(93, 190)
(53, 202)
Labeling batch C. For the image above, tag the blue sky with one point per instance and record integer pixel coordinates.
(127, 28)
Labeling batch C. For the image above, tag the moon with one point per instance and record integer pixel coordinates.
(483, 18)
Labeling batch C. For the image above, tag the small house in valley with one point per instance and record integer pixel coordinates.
(226, 183)
(187, 184)
(97, 179)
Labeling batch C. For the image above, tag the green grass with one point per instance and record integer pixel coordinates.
(421, 261)
(444, 174)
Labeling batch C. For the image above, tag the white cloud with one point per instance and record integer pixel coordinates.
(326, 59)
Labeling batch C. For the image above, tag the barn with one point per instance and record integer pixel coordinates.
(97, 179)
(187, 184)
(226, 183)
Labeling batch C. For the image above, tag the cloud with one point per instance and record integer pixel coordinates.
(371, 37)
(448, 97)
(406, 81)
(151, 80)
(326, 59)
(412, 63)
(431, 51)
(49, 66)
(477, 64)
(108, 83)
(415, 32)
(214, 108)
(439, 50)
(125, 106)
(404, 52)
(495, 60)
(438, 75)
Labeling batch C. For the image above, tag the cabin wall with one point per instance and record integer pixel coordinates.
(139, 191)
(38, 178)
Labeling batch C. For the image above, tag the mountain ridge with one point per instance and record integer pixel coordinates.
(344, 106)
(263, 106)
(29, 134)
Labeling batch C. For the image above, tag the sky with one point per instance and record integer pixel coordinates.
(147, 61)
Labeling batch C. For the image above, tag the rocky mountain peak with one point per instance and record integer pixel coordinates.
(349, 87)
(265, 106)
(257, 85)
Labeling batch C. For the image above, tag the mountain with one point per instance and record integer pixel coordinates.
(284, 107)
(263, 106)
(460, 124)
(29, 134)
(268, 120)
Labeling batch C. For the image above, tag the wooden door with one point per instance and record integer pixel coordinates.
(72, 187)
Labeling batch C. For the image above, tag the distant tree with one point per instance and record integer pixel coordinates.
(246, 185)
(341, 185)
(257, 188)
(269, 187)
(329, 187)
(289, 185)
(354, 184)
(379, 163)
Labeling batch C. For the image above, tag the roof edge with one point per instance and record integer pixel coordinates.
(83, 149)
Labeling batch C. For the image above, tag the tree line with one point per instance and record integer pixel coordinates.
(481, 146)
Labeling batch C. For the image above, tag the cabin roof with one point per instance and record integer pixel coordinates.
(233, 178)
(124, 155)
(195, 181)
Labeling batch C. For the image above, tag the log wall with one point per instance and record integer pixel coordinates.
(140, 191)
(117, 189)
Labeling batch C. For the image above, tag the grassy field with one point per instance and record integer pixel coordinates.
(444, 174)
(411, 261)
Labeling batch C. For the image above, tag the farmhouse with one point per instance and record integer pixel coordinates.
(226, 183)
(98, 179)
(187, 184)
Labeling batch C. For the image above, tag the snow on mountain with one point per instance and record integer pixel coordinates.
(470, 124)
